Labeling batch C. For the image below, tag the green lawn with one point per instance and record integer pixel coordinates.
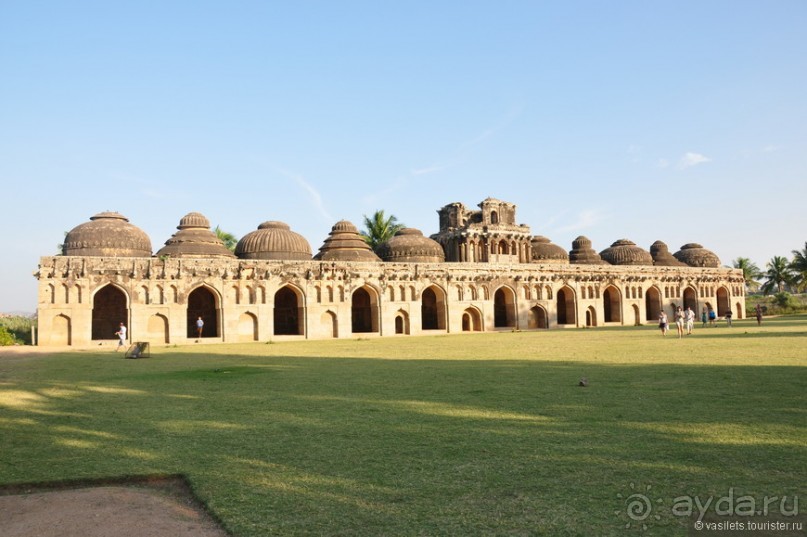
(484, 434)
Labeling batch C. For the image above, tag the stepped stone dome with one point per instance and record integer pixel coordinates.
(695, 255)
(273, 240)
(107, 234)
(194, 239)
(543, 251)
(409, 245)
(345, 244)
(625, 252)
(662, 256)
(583, 254)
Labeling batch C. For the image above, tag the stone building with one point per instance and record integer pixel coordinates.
(481, 272)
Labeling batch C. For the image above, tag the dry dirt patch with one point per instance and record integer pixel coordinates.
(162, 507)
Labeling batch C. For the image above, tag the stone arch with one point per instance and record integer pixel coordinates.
(392, 293)
(591, 316)
(157, 328)
(247, 327)
(565, 306)
(637, 316)
(538, 318)
(723, 304)
(739, 310)
(548, 292)
(494, 217)
(66, 293)
(110, 307)
(401, 322)
(329, 324)
(460, 293)
(364, 310)
(61, 331)
(504, 307)
(474, 292)
(160, 294)
(471, 320)
(690, 299)
(203, 302)
(612, 305)
(289, 311)
(144, 294)
(433, 308)
(78, 291)
(538, 293)
(526, 292)
(652, 304)
(52, 293)
(174, 294)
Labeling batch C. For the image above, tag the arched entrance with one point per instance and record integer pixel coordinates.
(739, 311)
(723, 305)
(565, 305)
(690, 299)
(61, 331)
(433, 309)
(364, 311)
(329, 325)
(612, 305)
(591, 316)
(401, 322)
(504, 308)
(247, 327)
(109, 309)
(652, 304)
(202, 303)
(637, 318)
(471, 320)
(289, 314)
(157, 328)
(538, 318)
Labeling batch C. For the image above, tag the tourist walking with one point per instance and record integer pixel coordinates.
(662, 323)
(712, 317)
(703, 317)
(758, 310)
(121, 333)
(679, 321)
(200, 325)
(689, 317)
(728, 318)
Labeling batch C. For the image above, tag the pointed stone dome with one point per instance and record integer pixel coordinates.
(695, 255)
(410, 246)
(273, 240)
(345, 244)
(194, 239)
(583, 254)
(543, 251)
(662, 256)
(107, 234)
(625, 252)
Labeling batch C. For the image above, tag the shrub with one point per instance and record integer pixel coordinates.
(6, 337)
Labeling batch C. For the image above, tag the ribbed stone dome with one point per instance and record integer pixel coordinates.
(409, 245)
(583, 254)
(107, 234)
(273, 240)
(625, 252)
(662, 256)
(695, 255)
(194, 239)
(543, 251)
(345, 244)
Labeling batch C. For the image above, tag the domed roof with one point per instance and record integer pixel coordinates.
(662, 256)
(543, 251)
(194, 239)
(107, 234)
(695, 255)
(625, 252)
(583, 254)
(345, 244)
(409, 245)
(273, 240)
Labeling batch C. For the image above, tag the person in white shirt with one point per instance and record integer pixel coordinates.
(121, 333)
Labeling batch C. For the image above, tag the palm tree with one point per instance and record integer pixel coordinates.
(799, 268)
(751, 272)
(379, 229)
(228, 239)
(777, 275)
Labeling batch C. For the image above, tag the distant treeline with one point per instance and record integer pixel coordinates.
(16, 330)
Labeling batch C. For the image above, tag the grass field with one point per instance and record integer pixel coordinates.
(484, 434)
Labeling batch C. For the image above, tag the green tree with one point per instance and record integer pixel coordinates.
(777, 276)
(229, 240)
(799, 268)
(751, 272)
(379, 228)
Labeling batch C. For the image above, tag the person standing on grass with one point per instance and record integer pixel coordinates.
(703, 317)
(121, 333)
(712, 317)
(689, 317)
(200, 325)
(679, 321)
(728, 318)
(758, 311)
(662, 323)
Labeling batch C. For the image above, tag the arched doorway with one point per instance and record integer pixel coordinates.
(247, 327)
(690, 299)
(652, 304)
(109, 309)
(364, 311)
(637, 318)
(432, 309)
(591, 316)
(202, 303)
(739, 311)
(565, 305)
(61, 331)
(471, 320)
(538, 318)
(288, 314)
(723, 305)
(401, 322)
(329, 325)
(504, 308)
(612, 305)
(157, 328)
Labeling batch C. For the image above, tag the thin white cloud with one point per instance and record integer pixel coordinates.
(429, 169)
(663, 163)
(691, 159)
(770, 149)
(313, 193)
(585, 219)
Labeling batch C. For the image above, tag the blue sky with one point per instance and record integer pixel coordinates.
(680, 121)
